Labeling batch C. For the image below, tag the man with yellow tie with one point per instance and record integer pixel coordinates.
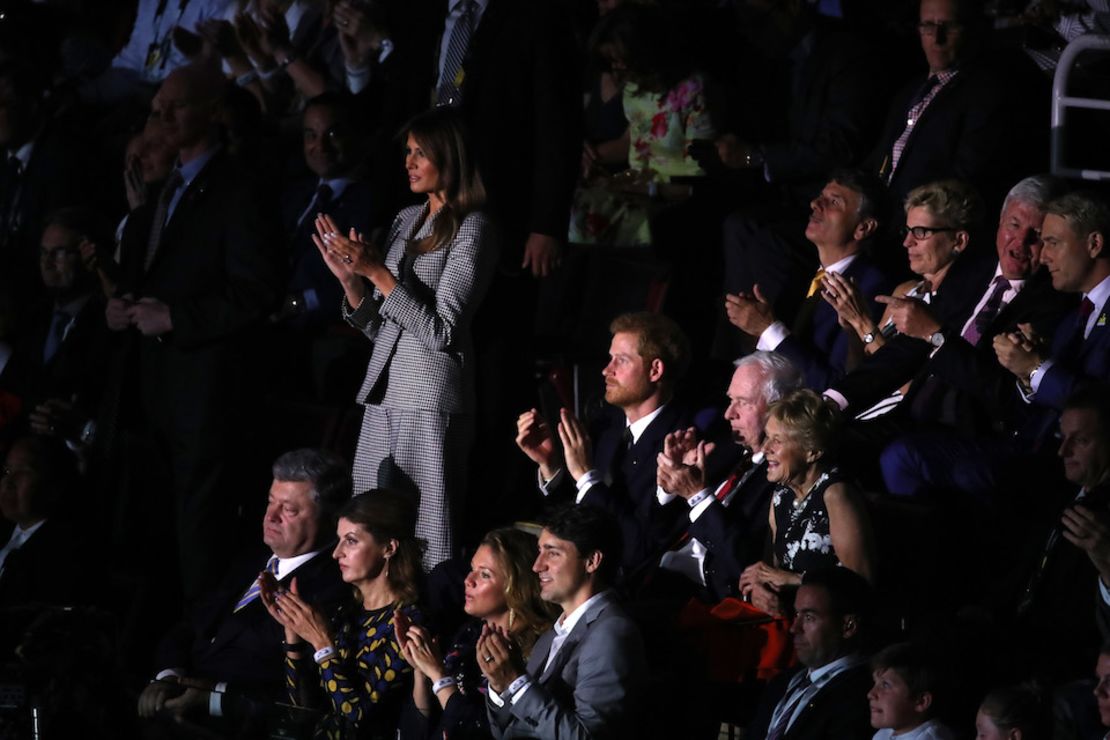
(843, 219)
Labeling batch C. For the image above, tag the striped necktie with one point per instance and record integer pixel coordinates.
(450, 83)
(256, 587)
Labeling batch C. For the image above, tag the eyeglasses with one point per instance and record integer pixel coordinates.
(940, 30)
(57, 253)
(924, 232)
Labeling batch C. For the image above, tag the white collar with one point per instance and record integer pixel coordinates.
(565, 624)
(637, 428)
(21, 535)
(288, 565)
(826, 672)
(23, 154)
(841, 264)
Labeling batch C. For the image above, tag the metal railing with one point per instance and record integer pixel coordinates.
(1062, 102)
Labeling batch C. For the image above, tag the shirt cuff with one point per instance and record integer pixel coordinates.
(1036, 378)
(588, 480)
(699, 502)
(547, 486)
(216, 703)
(663, 497)
(169, 673)
(836, 397)
(518, 687)
(772, 337)
(1104, 592)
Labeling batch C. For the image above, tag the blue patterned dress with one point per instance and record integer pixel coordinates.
(364, 684)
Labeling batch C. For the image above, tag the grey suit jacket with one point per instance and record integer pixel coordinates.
(592, 687)
(421, 331)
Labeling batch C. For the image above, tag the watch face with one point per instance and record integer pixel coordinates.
(937, 339)
(869, 337)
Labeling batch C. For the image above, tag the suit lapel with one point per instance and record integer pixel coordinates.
(567, 649)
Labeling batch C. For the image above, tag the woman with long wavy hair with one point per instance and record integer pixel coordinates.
(415, 300)
(448, 691)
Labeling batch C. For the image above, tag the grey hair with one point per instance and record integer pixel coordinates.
(328, 473)
(1037, 191)
(780, 375)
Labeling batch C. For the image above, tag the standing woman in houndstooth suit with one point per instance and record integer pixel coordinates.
(415, 300)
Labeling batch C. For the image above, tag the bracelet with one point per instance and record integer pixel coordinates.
(323, 653)
(294, 647)
(443, 683)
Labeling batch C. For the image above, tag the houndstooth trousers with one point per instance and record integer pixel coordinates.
(423, 453)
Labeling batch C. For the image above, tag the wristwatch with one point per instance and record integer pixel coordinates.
(869, 337)
(936, 339)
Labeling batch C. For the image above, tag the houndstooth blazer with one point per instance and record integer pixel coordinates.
(421, 332)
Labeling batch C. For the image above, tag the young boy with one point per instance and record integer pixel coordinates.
(904, 695)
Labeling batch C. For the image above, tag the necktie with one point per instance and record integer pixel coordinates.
(781, 719)
(815, 284)
(988, 312)
(616, 472)
(450, 84)
(1074, 345)
(917, 106)
(322, 201)
(255, 588)
(161, 211)
(58, 326)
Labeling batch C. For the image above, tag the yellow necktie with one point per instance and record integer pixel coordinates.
(815, 285)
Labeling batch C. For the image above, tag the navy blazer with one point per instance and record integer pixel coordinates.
(629, 494)
(820, 348)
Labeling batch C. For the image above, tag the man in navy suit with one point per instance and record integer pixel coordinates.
(843, 219)
(585, 676)
(228, 647)
(337, 188)
(647, 356)
(1075, 232)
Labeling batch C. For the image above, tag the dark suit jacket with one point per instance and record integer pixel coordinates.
(976, 129)
(593, 687)
(218, 270)
(839, 711)
(820, 347)
(903, 357)
(734, 533)
(833, 112)
(244, 648)
(54, 178)
(1065, 600)
(32, 574)
(981, 394)
(76, 370)
(522, 104)
(357, 208)
(629, 493)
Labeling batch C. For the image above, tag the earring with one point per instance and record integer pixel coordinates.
(512, 616)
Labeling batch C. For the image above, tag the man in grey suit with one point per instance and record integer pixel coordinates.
(585, 675)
